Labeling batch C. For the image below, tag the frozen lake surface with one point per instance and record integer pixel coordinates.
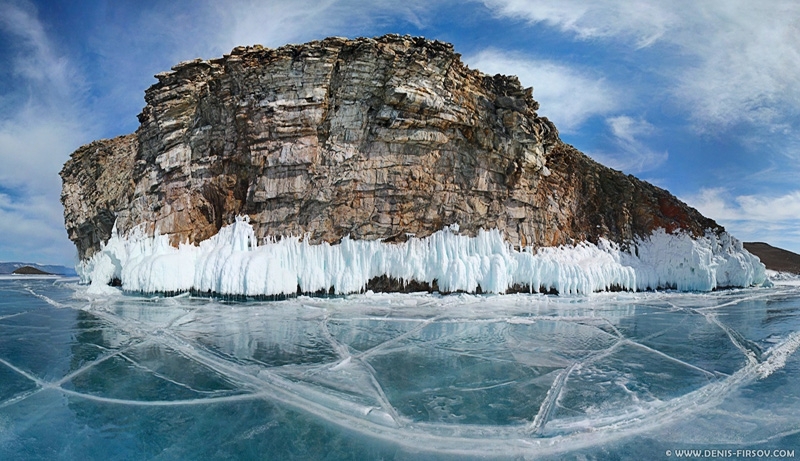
(396, 376)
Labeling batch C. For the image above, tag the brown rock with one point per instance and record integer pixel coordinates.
(375, 138)
(29, 270)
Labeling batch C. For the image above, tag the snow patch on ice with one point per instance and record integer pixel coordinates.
(783, 278)
(232, 262)
(777, 355)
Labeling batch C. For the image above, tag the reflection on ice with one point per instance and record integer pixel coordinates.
(514, 375)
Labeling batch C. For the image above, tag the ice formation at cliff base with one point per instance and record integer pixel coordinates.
(233, 263)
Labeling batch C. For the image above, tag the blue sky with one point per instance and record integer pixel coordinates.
(701, 98)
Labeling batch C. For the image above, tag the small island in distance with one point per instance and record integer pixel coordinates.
(25, 268)
(29, 270)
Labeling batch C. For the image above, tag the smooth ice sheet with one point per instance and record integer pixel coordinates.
(395, 375)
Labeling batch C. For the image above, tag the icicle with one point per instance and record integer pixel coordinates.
(232, 263)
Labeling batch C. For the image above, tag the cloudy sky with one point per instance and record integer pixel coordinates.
(701, 98)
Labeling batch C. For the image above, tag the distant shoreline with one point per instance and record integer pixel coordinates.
(32, 277)
(8, 268)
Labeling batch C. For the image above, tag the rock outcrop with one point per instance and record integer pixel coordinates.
(372, 138)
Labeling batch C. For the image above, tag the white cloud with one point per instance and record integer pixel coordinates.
(215, 28)
(40, 125)
(739, 59)
(771, 209)
(749, 59)
(567, 95)
(32, 231)
(718, 203)
(208, 28)
(33, 147)
(774, 219)
(630, 153)
(643, 22)
(37, 62)
(627, 129)
(712, 202)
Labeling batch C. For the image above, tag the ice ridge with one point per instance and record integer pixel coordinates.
(233, 263)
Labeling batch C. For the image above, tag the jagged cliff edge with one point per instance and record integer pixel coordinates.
(348, 142)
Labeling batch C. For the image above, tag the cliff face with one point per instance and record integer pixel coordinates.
(372, 138)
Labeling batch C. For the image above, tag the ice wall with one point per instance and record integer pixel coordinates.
(232, 262)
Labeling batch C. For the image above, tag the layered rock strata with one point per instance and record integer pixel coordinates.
(372, 138)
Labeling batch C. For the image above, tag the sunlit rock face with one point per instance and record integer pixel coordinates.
(371, 138)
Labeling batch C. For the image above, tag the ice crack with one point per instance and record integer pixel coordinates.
(548, 405)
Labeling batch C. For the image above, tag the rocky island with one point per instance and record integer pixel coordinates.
(382, 144)
(30, 270)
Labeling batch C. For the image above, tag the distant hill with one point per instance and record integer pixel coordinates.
(775, 259)
(7, 268)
